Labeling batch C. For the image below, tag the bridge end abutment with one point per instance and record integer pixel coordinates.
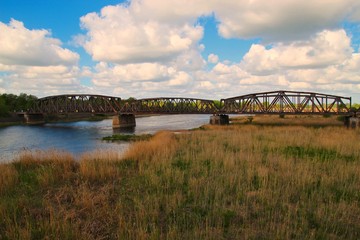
(124, 121)
(33, 118)
(352, 122)
(219, 119)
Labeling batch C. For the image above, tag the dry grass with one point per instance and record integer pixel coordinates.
(290, 120)
(240, 181)
(8, 177)
(161, 146)
(99, 165)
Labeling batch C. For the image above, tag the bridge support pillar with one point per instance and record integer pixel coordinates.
(352, 122)
(34, 118)
(219, 119)
(124, 121)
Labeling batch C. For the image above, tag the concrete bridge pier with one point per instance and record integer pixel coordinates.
(34, 118)
(124, 121)
(352, 122)
(219, 119)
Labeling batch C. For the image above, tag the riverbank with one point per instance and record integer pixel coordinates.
(218, 182)
(10, 120)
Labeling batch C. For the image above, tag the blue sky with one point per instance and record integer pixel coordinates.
(207, 49)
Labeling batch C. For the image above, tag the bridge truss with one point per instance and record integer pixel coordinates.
(170, 106)
(82, 103)
(289, 102)
(276, 102)
(79, 103)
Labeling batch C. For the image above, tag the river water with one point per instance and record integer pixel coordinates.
(84, 136)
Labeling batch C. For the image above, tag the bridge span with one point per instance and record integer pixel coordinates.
(275, 102)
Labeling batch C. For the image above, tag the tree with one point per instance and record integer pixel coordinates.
(4, 110)
(13, 103)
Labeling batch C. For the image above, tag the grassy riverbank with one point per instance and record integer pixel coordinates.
(244, 181)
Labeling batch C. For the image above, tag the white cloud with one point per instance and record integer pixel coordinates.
(327, 48)
(149, 48)
(21, 46)
(123, 34)
(32, 61)
(154, 45)
(282, 19)
(131, 72)
(213, 58)
(43, 80)
(180, 79)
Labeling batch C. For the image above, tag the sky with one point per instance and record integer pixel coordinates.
(209, 49)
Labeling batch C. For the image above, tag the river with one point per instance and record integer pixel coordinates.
(84, 136)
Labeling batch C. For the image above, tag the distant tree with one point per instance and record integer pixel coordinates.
(13, 103)
(217, 103)
(356, 105)
(131, 99)
(4, 110)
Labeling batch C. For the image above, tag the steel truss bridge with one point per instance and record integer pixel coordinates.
(276, 102)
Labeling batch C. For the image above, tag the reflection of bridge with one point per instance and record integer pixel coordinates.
(277, 102)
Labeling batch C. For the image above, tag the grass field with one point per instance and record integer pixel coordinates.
(270, 179)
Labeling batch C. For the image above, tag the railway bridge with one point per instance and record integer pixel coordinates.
(124, 111)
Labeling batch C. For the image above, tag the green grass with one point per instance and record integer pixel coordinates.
(127, 137)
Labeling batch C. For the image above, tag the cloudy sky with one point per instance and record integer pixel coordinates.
(191, 48)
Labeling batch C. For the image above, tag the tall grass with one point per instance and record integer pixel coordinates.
(237, 182)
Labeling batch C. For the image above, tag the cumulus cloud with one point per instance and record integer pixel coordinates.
(43, 80)
(124, 34)
(21, 46)
(282, 20)
(32, 61)
(154, 45)
(213, 58)
(326, 48)
(149, 48)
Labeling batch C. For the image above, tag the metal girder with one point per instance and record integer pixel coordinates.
(276, 102)
(81, 103)
(171, 106)
(289, 102)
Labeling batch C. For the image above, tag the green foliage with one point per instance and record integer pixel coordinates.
(13, 103)
(217, 103)
(355, 107)
(129, 100)
(4, 110)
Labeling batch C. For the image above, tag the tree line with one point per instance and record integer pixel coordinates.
(15, 103)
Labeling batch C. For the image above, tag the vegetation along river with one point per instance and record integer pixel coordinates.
(84, 136)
